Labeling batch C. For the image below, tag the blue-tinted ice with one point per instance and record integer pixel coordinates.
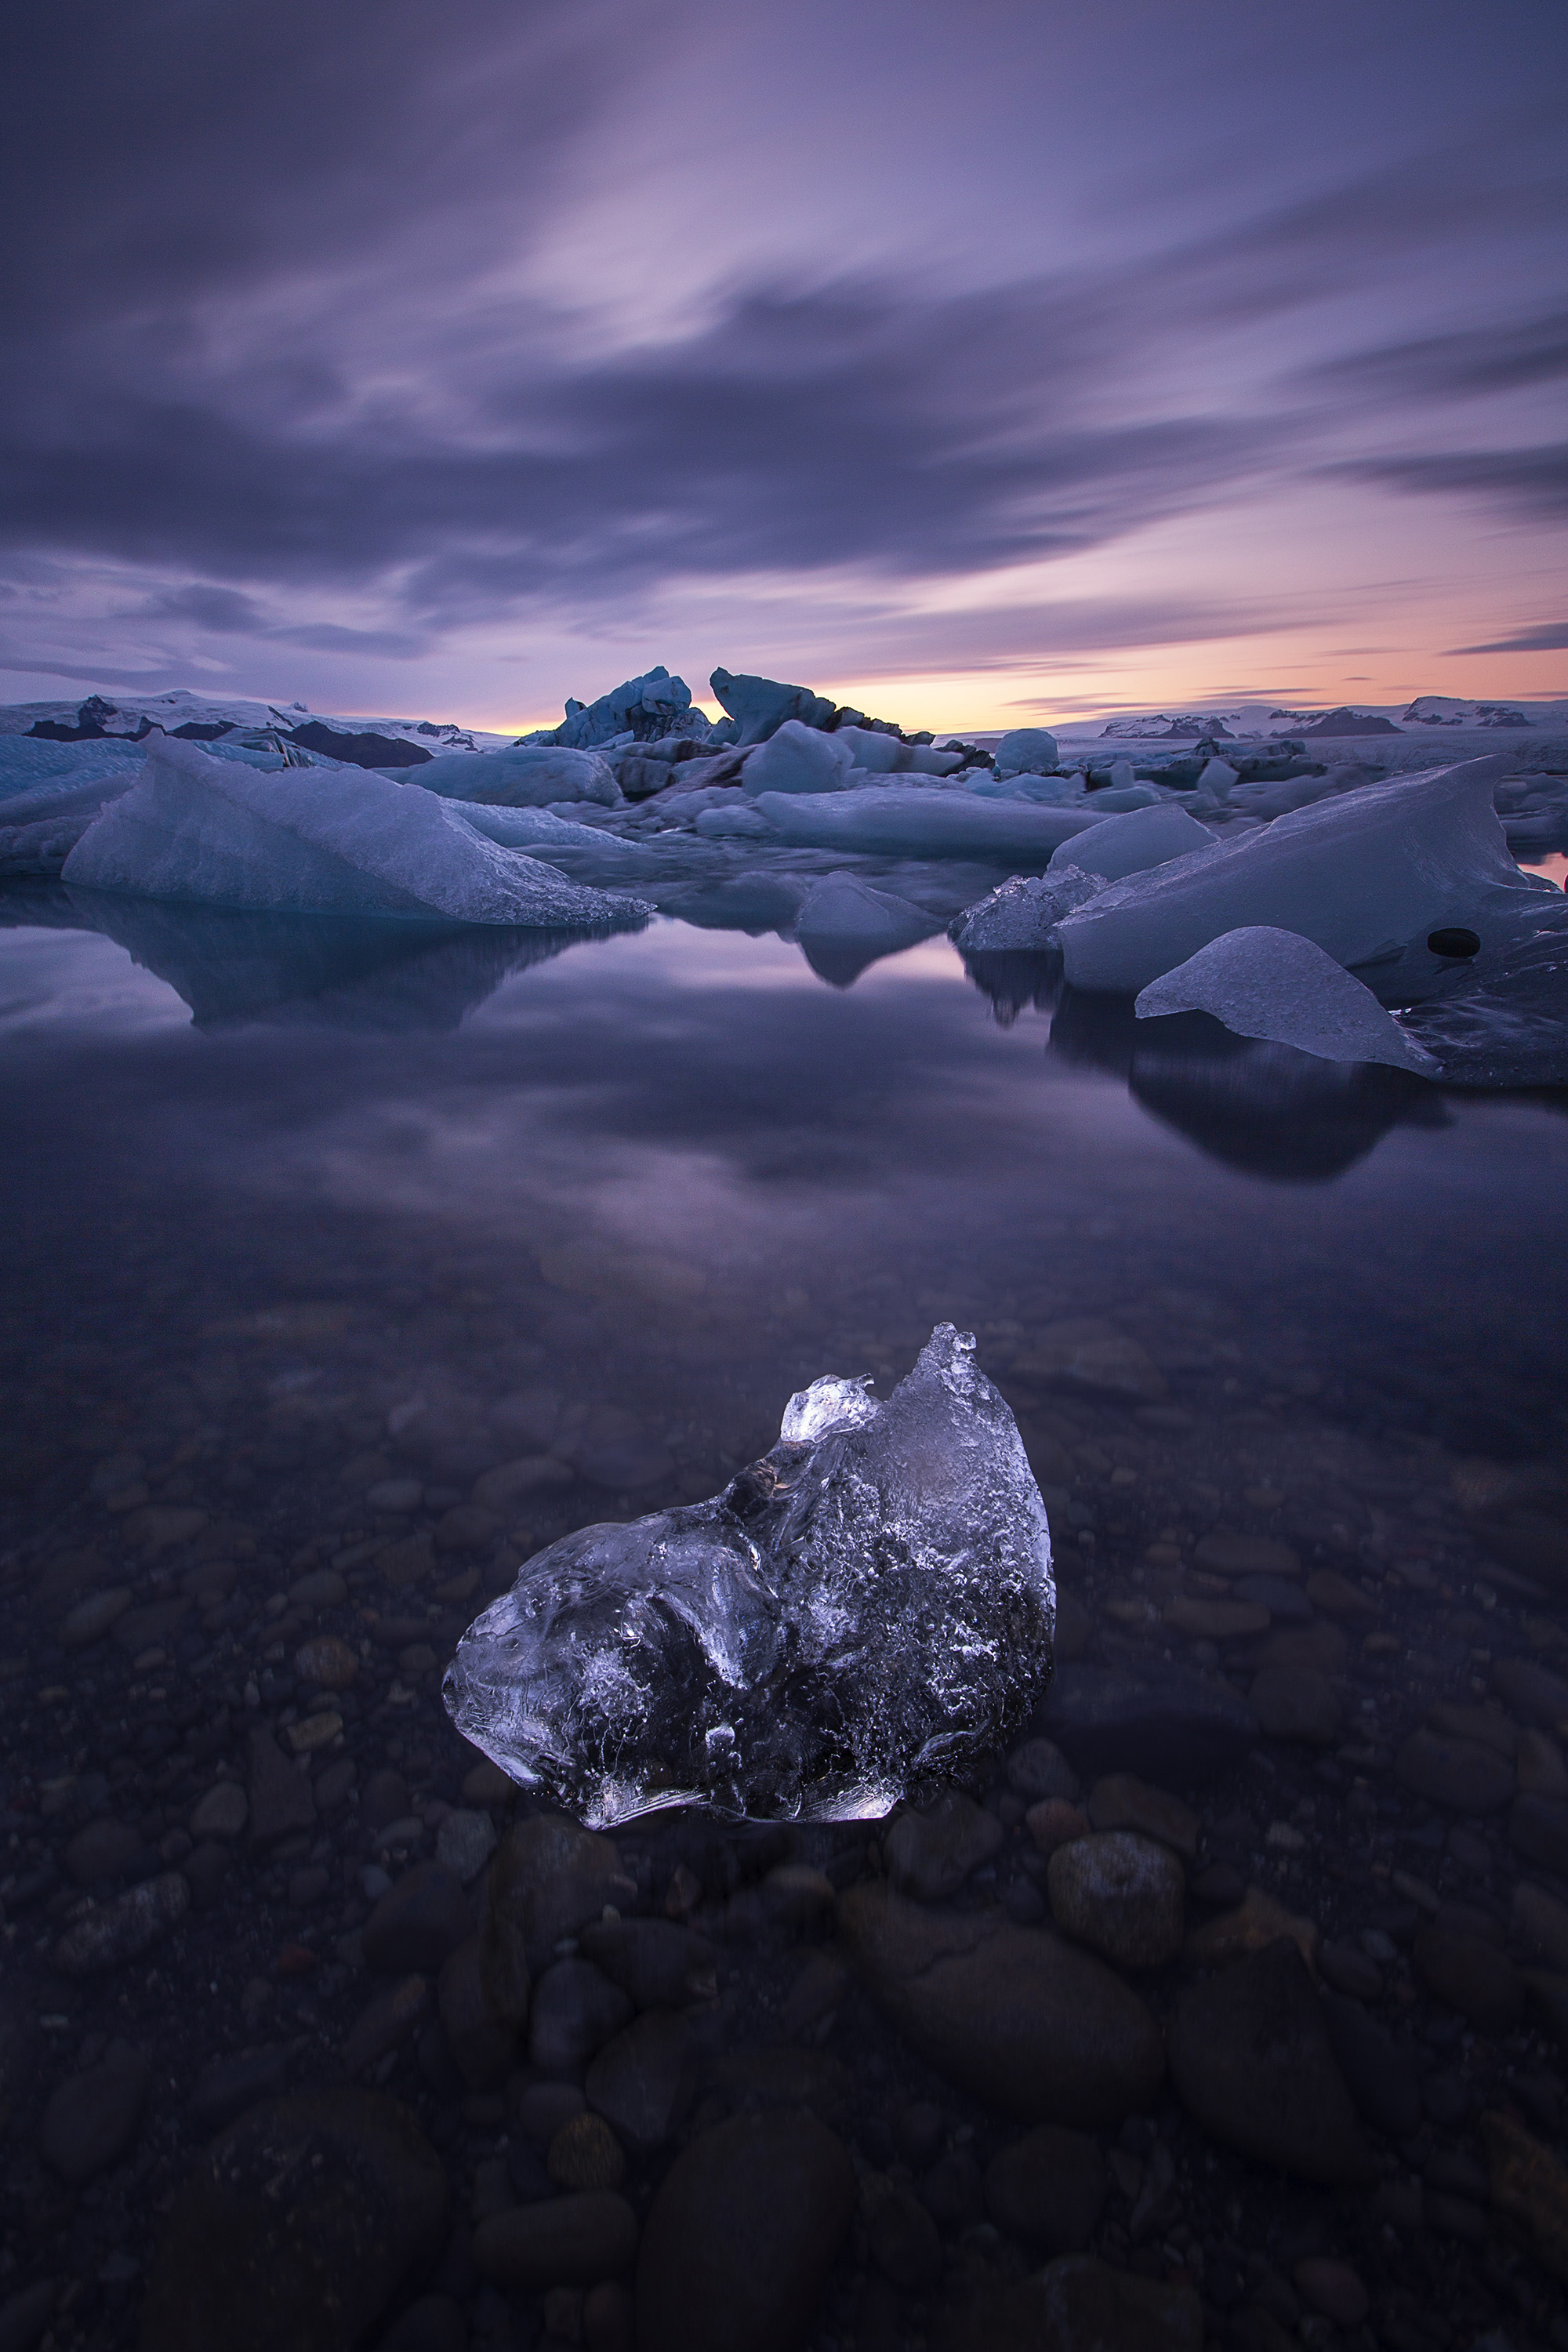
(856, 1616)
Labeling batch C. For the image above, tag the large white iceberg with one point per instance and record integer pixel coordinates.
(1360, 876)
(1132, 843)
(921, 821)
(881, 754)
(1026, 750)
(798, 759)
(845, 925)
(1264, 983)
(210, 833)
(529, 775)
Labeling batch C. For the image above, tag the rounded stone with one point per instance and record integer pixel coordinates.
(572, 2241)
(585, 2154)
(465, 1842)
(1330, 2287)
(575, 2010)
(742, 2235)
(1054, 1822)
(929, 1854)
(399, 1494)
(222, 1812)
(1038, 1768)
(1048, 2189)
(327, 1661)
(108, 1849)
(1460, 1774)
(1469, 1974)
(643, 2080)
(1224, 1553)
(1014, 2016)
(902, 2241)
(1297, 1703)
(90, 1619)
(91, 2119)
(422, 1918)
(1252, 2061)
(308, 2223)
(113, 1933)
(1121, 1895)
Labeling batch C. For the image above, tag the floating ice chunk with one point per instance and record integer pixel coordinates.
(529, 775)
(890, 820)
(1263, 983)
(1217, 776)
(537, 828)
(211, 834)
(845, 925)
(38, 830)
(1357, 874)
(856, 1616)
(1021, 915)
(1026, 750)
(881, 754)
(1048, 792)
(798, 759)
(743, 823)
(1131, 844)
(1117, 800)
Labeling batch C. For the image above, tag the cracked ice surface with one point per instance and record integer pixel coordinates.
(856, 1613)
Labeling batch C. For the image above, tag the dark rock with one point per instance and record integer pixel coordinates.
(1251, 2057)
(1048, 2189)
(1469, 1974)
(1459, 1773)
(363, 750)
(25, 2316)
(92, 2119)
(1121, 1895)
(1038, 1768)
(643, 2080)
(385, 1800)
(227, 2086)
(742, 2236)
(901, 2240)
(282, 1803)
(387, 2023)
(575, 2010)
(1297, 1703)
(106, 1849)
(305, 2223)
(1538, 1828)
(931, 1852)
(1156, 1720)
(421, 1918)
(1531, 2186)
(434, 2324)
(953, 2193)
(483, 2046)
(543, 2107)
(548, 1879)
(113, 1933)
(1077, 2304)
(1532, 1691)
(1122, 1801)
(1382, 2073)
(657, 1963)
(1013, 2015)
(1347, 1967)
(585, 2154)
(572, 2241)
(766, 2079)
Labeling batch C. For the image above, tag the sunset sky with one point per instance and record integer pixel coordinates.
(972, 362)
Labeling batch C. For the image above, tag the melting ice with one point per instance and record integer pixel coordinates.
(855, 1615)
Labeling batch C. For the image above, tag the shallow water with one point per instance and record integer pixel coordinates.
(293, 1211)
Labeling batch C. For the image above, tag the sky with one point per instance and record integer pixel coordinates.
(980, 363)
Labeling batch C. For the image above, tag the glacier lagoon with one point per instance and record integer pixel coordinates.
(354, 1262)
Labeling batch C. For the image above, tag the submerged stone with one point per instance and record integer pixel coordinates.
(852, 1619)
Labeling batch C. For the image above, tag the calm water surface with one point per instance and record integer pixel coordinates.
(309, 1232)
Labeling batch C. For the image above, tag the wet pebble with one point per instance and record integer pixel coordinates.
(1039, 1769)
(422, 1918)
(465, 1842)
(575, 2240)
(644, 2079)
(585, 2154)
(92, 2117)
(327, 1661)
(1121, 1895)
(483, 2046)
(1460, 1774)
(1251, 2058)
(1297, 1703)
(92, 1619)
(574, 2011)
(223, 1812)
(1122, 1801)
(742, 2233)
(929, 1854)
(1048, 2189)
(1468, 1973)
(122, 1930)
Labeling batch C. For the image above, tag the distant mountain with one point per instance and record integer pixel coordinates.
(1447, 711)
(1351, 722)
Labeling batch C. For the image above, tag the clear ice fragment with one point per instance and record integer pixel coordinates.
(852, 1619)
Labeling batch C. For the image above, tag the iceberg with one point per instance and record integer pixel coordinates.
(921, 821)
(759, 706)
(856, 1617)
(844, 925)
(1502, 1021)
(1021, 915)
(1026, 750)
(1359, 876)
(526, 776)
(209, 833)
(1134, 842)
(798, 759)
(642, 709)
(1274, 984)
(886, 755)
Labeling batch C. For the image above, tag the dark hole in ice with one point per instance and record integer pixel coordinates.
(1455, 942)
